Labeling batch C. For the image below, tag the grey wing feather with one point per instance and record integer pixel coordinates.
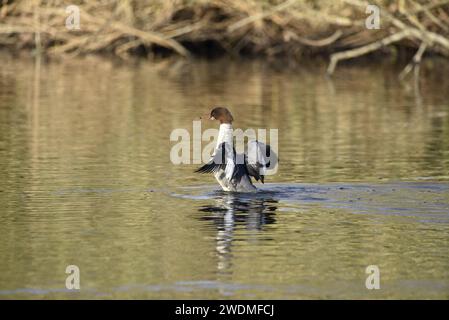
(259, 157)
(239, 171)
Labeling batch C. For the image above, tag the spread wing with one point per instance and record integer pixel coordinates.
(259, 157)
(223, 158)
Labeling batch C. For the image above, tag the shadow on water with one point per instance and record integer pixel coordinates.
(230, 211)
(423, 200)
(252, 210)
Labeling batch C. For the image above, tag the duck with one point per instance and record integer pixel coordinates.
(233, 171)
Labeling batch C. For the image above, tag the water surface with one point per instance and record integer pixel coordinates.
(86, 179)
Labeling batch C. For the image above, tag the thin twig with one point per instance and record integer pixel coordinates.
(256, 17)
(353, 53)
(318, 43)
(415, 63)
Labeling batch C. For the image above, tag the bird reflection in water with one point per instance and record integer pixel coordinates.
(238, 210)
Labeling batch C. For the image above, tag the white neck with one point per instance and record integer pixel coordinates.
(225, 134)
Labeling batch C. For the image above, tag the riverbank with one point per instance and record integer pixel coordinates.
(290, 30)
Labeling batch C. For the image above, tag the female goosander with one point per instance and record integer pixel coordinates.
(234, 171)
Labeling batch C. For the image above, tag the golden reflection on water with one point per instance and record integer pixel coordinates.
(86, 179)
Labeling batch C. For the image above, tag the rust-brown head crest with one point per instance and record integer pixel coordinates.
(221, 114)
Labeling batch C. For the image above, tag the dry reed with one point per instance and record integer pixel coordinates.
(292, 28)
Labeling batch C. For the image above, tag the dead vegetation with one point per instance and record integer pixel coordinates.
(292, 28)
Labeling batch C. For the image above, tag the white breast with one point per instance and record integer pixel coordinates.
(223, 177)
(226, 134)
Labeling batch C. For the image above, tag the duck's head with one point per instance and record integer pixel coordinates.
(221, 114)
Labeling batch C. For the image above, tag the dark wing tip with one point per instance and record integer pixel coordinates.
(209, 168)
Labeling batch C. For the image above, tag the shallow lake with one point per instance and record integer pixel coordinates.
(86, 180)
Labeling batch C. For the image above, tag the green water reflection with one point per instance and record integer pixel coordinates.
(86, 179)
